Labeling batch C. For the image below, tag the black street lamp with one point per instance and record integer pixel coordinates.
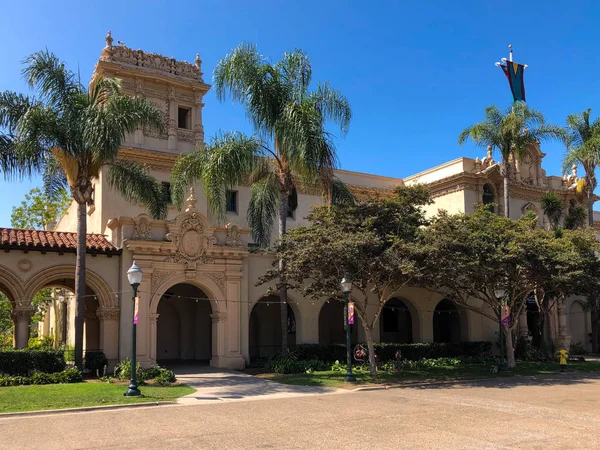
(502, 367)
(346, 289)
(134, 274)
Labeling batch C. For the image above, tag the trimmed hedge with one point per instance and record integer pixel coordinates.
(66, 376)
(387, 352)
(25, 362)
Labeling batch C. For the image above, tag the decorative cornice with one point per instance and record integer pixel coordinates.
(108, 313)
(159, 161)
(151, 62)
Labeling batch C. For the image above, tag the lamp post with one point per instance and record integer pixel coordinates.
(502, 367)
(134, 275)
(346, 289)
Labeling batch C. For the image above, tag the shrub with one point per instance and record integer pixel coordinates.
(577, 349)
(151, 372)
(45, 343)
(386, 352)
(285, 362)
(25, 362)
(95, 361)
(123, 370)
(66, 376)
(165, 376)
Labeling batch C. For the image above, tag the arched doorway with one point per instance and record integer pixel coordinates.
(184, 325)
(395, 323)
(265, 328)
(331, 324)
(487, 198)
(578, 328)
(446, 322)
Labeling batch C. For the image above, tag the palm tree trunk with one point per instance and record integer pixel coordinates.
(80, 283)
(506, 188)
(283, 212)
(590, 205)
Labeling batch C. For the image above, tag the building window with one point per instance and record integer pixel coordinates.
(488, 197)
(166, 189)
(231, 201)
(389, 320)
(184, 118)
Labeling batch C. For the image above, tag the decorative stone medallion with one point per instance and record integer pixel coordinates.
(25, 265)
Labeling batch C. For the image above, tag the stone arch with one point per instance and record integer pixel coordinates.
(331, 324)
(450, 323)
(185, 324)
(399, 321)
(578, 323)
(264, 329)
(204, 283)
(102, 290)
(12, 286)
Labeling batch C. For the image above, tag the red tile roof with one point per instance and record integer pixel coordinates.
(61, 241)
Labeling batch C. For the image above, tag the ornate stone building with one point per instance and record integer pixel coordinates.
(198, 298)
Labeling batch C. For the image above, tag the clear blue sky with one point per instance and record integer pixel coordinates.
(416, 73)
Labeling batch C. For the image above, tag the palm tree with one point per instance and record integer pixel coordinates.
(69, 134)
(290, 147)
(553, 209)
(583, 147)
(512, 133)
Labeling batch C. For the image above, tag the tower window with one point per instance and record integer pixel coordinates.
(166, 189)
(231, 201)
(184, 118)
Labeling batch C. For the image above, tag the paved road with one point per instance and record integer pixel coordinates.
(216, 385)
(556, 413)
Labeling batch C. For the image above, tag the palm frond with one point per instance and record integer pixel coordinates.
(576, 218)
(224, 163)
(136, 185)
(553, 208)
(340, 194)
(53, 177)
(263, 209)
(56, 85)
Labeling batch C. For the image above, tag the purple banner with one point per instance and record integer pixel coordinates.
(351, 313)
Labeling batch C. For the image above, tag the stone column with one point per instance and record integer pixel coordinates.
(21, 317)
(109, 332)
(523, 328)
(138, 135)
(172, 125)
(219, 320)
(152, 319)
(198, 127)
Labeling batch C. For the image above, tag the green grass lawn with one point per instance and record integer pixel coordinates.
(336, 379)
(59, 396)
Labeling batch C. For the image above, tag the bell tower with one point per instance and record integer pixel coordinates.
(176, 88)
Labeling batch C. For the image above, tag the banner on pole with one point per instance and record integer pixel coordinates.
(135, 310)
(514, 75)
(505, 317)
(350, 313)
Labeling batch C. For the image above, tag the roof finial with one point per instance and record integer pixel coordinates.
(191, 201)
(198, 61)
(510, 53)
(109, 39)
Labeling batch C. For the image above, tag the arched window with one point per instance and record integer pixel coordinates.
(488, 197)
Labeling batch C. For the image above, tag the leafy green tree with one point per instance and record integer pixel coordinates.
(512, 133)
(40, 211)
(369, 243)
(70, 133)
(484, 262)
(582, 139)
(291, 145)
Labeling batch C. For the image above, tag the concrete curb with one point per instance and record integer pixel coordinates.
(45, 412)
